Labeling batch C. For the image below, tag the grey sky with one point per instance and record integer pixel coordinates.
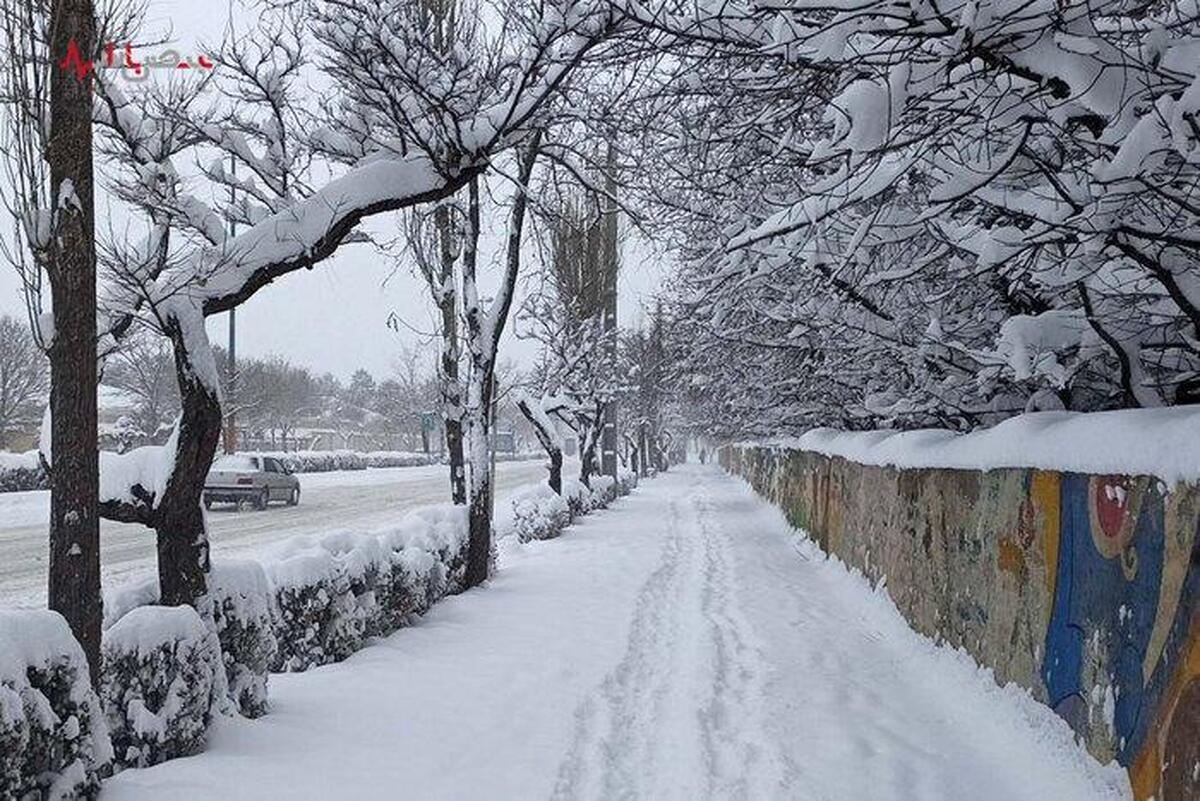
(334, 318)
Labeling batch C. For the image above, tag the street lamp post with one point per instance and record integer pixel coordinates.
(231, 436)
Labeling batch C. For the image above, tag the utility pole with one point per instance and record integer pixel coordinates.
(608, 438)
(231, 436)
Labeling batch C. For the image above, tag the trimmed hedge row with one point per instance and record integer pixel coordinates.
(329, 461)
(537, 513)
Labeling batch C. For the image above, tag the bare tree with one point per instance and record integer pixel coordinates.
(143, 367)
(24, 378)
(568, 315)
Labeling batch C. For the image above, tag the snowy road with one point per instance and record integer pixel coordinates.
(329, 501)
(682, 645)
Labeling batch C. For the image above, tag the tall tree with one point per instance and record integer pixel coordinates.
(74, 585)
(484, 327)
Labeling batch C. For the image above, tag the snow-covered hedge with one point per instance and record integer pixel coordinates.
(578, 496)
(442, 531)
(398, 459)
(54, 741)
(604, 491)
(162, 682)
(627, 481)
(241, 606)
(318, 621)
(328, 461)
(363, 561)
(243, 615)
(333, 593)
(413, 583)
(22, 472)
(538, 513)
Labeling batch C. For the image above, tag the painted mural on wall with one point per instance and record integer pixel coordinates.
(1085, 589)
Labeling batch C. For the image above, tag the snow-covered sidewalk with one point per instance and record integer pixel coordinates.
(683, 644)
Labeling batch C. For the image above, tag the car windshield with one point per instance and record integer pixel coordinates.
(236, 463)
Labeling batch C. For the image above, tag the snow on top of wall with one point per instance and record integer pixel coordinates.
(1157, 442)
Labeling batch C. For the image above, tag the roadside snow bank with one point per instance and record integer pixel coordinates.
(53, 736)
(1164, 443)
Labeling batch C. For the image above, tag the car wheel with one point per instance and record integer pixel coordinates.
(264, 497)
(294, 498)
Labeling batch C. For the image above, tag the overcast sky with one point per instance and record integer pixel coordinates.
(334, 318)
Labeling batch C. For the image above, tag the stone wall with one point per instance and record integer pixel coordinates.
(1085, 589)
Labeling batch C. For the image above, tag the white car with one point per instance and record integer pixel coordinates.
(242, 477)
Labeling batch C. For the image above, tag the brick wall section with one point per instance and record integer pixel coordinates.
(1085, 589)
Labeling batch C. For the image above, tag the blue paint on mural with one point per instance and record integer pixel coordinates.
(1105, 603)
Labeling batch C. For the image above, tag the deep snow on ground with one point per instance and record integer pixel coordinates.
(683, 644)
(329, 501)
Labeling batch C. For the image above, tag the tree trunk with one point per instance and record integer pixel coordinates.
(74, 575)
(451, 387)
(183, 551)
(454, 450)
(643, 450)
(479, 548)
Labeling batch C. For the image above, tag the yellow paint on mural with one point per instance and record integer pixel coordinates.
(1044, 490)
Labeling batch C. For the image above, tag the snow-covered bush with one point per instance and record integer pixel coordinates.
(241, 607)
(318, 620)
(22, 472)
(604, 491)
(627, 481)
(54, 741)
(442, 531)
(243, 616)
(121, 599)
(163, 680)
(578, 497)
(414, 583)
(363, 560)
(538, 513)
